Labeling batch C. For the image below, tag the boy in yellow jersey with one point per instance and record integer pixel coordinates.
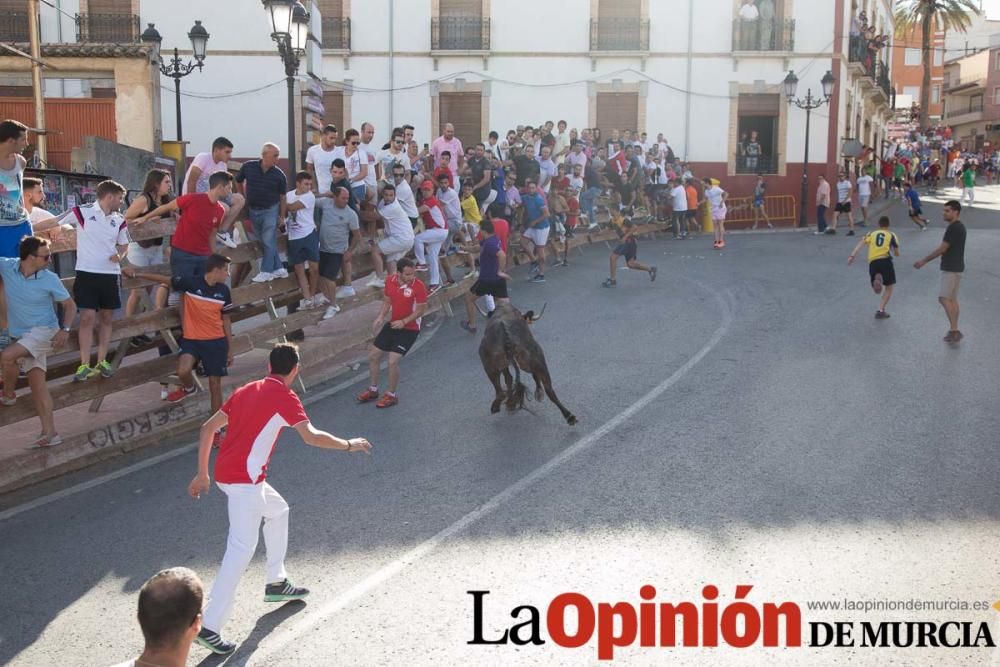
(882, 245)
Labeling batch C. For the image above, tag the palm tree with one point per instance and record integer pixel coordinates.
(930, 16)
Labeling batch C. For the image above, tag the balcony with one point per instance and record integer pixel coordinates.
(762, 164)
(973, 113)
(336, 33)
(882, 82)
(619, 34)
(13, 27)
(460, 33)
(107, 28)
(761, 36)
(966, 83)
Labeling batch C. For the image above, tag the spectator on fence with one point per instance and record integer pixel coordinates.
(370, 155)
(403, 194)
(201, 214)
(427, 244)
(264, 185)
(356, 162)
(197, 180)
(392, 156)
(34, 195)
(207, 328)
(398, 239)
(102, 243)
(450, 143)
(170, 604)
(442, 168)
(536, 230)
(156, 191)
(303, 238)
(339, 237)
(319, 163)
(14, 222)
(451, 204)
(36, 331)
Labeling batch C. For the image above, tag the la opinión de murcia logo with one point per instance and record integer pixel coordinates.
(738, 623)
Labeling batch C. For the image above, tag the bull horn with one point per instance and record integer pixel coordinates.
(537, 317)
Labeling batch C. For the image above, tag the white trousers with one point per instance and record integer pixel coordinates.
(433, 238)
(970, 194)
(248, 505)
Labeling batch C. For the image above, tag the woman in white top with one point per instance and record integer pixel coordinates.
(357, 164)
(716, 197)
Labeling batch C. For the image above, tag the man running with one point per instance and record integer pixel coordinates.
(492, 280)
(255, 415)
(882, 245)
(916, 211)
(628, 249)
(843, 206)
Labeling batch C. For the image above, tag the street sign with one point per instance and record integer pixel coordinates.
(315, 121)
(314, 105)
(314, 87)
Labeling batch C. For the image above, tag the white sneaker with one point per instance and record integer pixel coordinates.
(376, 282)
(330, 312)
(307, 304)
(320, 300)
(281, 273)
(263, 277)
(346, 291)
(226, 239)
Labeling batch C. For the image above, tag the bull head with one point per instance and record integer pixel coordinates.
(530, 316)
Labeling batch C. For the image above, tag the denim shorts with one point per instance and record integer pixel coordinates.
(305, 249)
(186, 265)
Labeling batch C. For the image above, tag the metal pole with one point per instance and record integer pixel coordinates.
(687, 87)
(292, 161)
(177, 99)
(392, 74)
(36, 81)
(803, 221)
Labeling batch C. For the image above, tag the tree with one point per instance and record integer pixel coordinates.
(929, 16)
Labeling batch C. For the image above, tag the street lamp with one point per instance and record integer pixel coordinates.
(290, 29)
(178, 69)
(808, 103)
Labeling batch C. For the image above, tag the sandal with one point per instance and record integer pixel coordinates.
(47, 441)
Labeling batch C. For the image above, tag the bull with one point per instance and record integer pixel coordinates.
(508, 342)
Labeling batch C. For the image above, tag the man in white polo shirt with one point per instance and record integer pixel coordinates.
(255, 415)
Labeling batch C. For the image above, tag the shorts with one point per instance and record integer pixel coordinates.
(143, 257)
(186, 265)
(97, 291)
(884, 266)
(916, 211)
(38, 342)
(538, 236)
(395, 340)
(897, 182)
(10, 238)
(330, 263)
(395, 248)
(864, 199)
(950, 282)
(305, 249)
(211, 353)
(627, 250)
(360, 192)
(758, 203)
(495, 288)
(719, 214)
(843, 207)
(691, 214)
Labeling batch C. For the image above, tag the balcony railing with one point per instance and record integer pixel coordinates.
(762, 164)
(619, 34)
(975, 80)
(336, 33)
(107, 28)
(13, 27)
(857, 50)
(970, 109)
(764, 35)
(460, 33)
(882, 80)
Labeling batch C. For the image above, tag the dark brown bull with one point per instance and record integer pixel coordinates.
(508, 341)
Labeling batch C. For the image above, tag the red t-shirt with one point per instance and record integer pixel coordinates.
(560, 182)
(502, 229)
(573, 216)
(199, 218)
(434, 217)
(405, 298)
(257, 412)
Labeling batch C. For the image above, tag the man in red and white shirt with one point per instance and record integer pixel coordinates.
(406, 300)
(255, 415)
(427, 244)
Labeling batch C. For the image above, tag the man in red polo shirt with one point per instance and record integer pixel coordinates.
(255, 415)
(406, 299)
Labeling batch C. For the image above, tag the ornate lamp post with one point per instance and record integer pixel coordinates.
(808, 103)
(177, 68)
(290, 30)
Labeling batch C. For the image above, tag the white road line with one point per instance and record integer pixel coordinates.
(308, 399)
(393, 568)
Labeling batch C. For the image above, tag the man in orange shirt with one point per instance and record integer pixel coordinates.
(692, 210)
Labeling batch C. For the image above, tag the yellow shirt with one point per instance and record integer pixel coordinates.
(879, 243)
(470, 210)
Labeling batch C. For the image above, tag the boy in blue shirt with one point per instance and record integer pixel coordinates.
(916, 212)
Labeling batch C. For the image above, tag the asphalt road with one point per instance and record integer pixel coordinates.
(743, 420)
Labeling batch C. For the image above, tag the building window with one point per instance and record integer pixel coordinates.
(911, 57)
(757, 130)
(619, 26)
(913, 92)
(107, 21)
(996, 96)
(13, 21)
(997, 58)
(935, 94)
(336, 26)
(938, 55)
(617, 111)
(460, 26)
(465, 112)
(975, 103)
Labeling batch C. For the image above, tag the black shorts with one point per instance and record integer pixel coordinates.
(691, 214)
(211, 353)
(97, 291)
(885, 267)
(497, 289)
(395, 340)
(627, 250)
(843, 207)
(329, 264)
(897, 182)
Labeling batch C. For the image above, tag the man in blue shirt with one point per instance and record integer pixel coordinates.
(916, 212)
(33, 290)
(264, 185)
(492, 279)
(536, 230)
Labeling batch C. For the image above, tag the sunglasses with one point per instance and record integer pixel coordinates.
(398, 143)
(355, 143)
(45, 257)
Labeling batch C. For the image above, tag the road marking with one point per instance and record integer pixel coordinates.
(393, 568)
(308, 399)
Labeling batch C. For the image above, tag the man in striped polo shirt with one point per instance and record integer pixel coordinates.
(255, 415)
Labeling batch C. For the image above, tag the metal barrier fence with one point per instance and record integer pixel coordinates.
(779, 208)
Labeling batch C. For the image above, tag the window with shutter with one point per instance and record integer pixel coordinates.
(465, 112)
(617, 111)
(468, 8)
(760, 114)
(460, 25)
(336, 26)
(619, 26)
(109, 7)
(619, 9)
(109, 21)
(13, 21)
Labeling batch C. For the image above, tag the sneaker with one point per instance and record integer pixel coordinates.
(423, 268)
(818, 233)
(164, 392)
(540, 278)
(534, 267)
(320, 300)
(563, 263)
(214, 643)
(593, 226)
(433, 289)
(652, 274)
(862, 224)
(881, 315)
(877, 283)
(956, 336)
(831, 231)
(850, 232)
(83, 372)
(468, 327)
(281, 273)
(387, 401)
(949, 337)
(722, 244)
(923, 228)
(609, 283)
(47, 440)
(716, 245)
(180, 394)
(307, 304)
(139, 341)
(346, 291)
(368, 395)
(376, 282)
(105, 369)
(284, 591)
(330, 312)
(226, 239)
(8, 401)
(262, 277)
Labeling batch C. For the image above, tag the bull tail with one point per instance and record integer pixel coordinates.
(516, 394)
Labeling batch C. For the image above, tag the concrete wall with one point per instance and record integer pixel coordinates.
(124, 164)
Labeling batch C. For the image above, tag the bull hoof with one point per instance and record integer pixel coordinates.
(495, 407)
(571, 420)
(539, 394)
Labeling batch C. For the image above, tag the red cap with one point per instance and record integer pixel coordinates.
(427, 185)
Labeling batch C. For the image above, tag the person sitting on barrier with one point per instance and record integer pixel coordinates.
(34, 289)
(398, 240)
(155, 192)
(196, 180)
(303, 238)
(170, 605)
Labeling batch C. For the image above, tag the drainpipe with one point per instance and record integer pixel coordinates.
(59, 36)
(391, 72)
(687, 87)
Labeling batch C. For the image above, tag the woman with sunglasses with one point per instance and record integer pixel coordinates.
(356, 161)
